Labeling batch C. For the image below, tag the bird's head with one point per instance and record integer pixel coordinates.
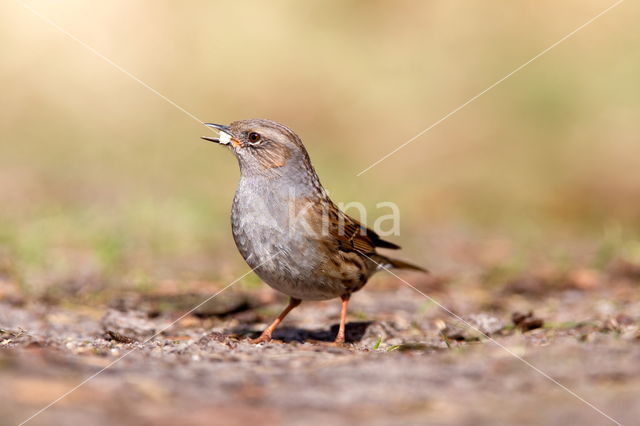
(262, 146)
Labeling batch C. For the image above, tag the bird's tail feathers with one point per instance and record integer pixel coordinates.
(387, 263)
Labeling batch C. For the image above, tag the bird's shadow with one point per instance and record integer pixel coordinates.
(354, 331)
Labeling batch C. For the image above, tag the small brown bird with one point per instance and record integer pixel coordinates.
(287, 228)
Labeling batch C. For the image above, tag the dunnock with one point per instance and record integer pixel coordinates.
(288, 229)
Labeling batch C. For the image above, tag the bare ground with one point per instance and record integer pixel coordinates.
(576, 359)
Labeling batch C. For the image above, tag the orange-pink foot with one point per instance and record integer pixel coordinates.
(262, 339)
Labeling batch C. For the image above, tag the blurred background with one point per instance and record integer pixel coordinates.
(105, 186)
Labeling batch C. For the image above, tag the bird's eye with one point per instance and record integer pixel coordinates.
(254, 137)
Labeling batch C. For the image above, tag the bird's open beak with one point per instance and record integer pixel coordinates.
(225, 134)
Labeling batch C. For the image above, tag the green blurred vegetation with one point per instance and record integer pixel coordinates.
(103, 183)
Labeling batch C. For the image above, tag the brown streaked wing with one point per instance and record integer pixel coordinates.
(356, 236)
(349, 234)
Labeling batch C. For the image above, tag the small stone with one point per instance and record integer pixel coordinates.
(132, 324)
(526, 322)
(473, 327)
(120, 338)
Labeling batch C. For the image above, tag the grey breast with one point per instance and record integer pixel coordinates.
(282, 253)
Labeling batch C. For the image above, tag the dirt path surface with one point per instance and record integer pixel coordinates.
(407, 360)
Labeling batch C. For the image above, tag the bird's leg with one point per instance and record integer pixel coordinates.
(266, 334)
(343, 318)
